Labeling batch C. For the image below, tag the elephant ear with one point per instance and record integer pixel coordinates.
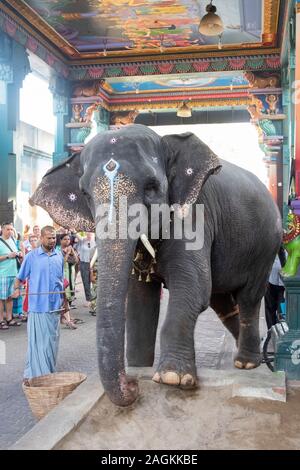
(189, 163)
(60, 195)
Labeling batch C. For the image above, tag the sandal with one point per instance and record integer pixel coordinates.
(3, 325)
(77, 320)
(13, 322)
(70, 325)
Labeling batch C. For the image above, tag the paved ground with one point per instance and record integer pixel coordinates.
(214, 349)
(204, 419)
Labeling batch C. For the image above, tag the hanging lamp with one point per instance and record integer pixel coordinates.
(211, 24)
(184, 111)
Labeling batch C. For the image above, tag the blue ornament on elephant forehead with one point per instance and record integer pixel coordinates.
(110, 170)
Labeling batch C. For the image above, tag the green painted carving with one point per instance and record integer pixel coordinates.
(183, 67)
(267, 127)
(219, 65)
(291, 242)
(147, 69)
(113, 71)
(21, 37)
(254, 63)
(81, 135)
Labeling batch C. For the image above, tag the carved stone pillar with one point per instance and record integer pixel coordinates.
(60, 90)
(14, 65)
(267, 115)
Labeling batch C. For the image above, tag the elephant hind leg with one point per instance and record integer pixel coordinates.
(228, 311)
(248, 355)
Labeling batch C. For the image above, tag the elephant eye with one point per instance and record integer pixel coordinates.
(151, 188)
(151, 185)
(86, 194)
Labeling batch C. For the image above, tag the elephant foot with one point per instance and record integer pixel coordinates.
(184, 377)
(247, 360)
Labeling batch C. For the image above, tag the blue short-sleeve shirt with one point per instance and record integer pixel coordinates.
(45, 273)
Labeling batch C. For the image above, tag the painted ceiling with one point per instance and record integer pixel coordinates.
(188, 82)
(95, 28)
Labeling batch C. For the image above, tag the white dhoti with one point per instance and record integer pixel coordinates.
(43, 339)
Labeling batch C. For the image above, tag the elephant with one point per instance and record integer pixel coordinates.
(242, 232)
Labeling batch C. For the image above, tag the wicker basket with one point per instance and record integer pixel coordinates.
(46, 391)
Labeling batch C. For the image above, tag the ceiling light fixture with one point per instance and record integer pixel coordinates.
(211, 24)
(184, 111)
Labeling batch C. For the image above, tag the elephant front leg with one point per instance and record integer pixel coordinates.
(177, 354)
(142, 314)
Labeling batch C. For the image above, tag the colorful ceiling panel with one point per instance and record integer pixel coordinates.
(99, 28)
(175, 84)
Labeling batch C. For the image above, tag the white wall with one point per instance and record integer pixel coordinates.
(234, 142)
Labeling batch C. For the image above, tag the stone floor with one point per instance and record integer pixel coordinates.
(213, 344)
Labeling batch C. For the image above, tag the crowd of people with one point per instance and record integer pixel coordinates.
(38, 274)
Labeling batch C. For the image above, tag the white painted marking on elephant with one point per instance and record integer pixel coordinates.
(155, 159)
(111, 170)
(295, 348)
(113, 140)
(183, 211)
(189, 171)
(72, 197)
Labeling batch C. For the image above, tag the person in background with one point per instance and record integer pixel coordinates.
(9, 255)
(85, 246)
(44, 268)
(18, 302)
(33, 243)
(70, 260)
(274, 295)
(26, 232)
(36, 231)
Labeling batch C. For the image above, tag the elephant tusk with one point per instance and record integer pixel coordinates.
(147, 245)
(94, 258)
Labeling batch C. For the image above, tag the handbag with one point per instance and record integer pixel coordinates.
(17, 259)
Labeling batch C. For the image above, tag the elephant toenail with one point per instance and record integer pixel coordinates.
(156, 378)
(239, 364)
(170, 378)
(187, 380)
(249, 365)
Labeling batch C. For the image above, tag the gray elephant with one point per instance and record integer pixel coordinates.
(242, 233)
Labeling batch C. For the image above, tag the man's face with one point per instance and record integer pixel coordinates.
(8, 231)
(36, 230)
(49, 240)
(33, 241)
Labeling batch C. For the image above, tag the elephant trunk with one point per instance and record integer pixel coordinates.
(114, 268)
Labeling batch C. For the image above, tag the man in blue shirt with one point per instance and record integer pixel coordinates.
(43, 268)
